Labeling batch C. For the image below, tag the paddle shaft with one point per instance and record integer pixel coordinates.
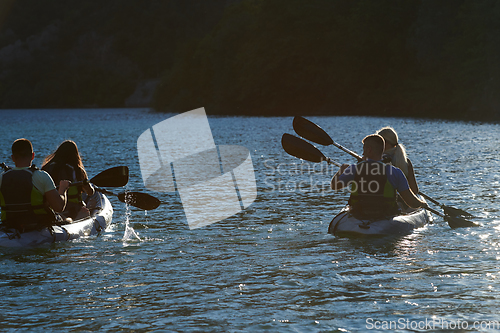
(330, 161)
(435, 212)
(350, 152)
(430, 199)
(98, 189)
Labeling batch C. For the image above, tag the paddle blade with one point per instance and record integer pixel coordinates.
(139, 200)
(451, 211)
(453, 221)
(310, 131)
(301, 149)
(113, 177)
(458, 222)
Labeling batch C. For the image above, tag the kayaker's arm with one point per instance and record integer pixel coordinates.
(57, 198)
(336, 184)
(87, 187)
(411, 199)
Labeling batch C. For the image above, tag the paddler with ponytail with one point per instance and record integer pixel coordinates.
(66, 164)
(374, 184)
(395, 153)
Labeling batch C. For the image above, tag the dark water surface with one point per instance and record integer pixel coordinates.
(271, 267)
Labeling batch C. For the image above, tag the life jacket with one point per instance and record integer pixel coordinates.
(60, 172)
(23, 206)
(372, 195)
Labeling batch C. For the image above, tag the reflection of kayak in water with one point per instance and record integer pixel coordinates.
(346, 225)
(101, 213)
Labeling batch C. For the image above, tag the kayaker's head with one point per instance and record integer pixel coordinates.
(373, 147)
(67, 153)
(390, 136)
(22, 152)
(394, 149)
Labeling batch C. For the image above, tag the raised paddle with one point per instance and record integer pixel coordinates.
(112, 177)
(310, 131)
(304, 150)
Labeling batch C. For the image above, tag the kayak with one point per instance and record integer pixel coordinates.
(346, 225)
(101, 213)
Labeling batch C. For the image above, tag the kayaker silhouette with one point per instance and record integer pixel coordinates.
(374, 184)
(29, 196)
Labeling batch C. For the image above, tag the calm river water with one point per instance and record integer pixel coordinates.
(272, 267)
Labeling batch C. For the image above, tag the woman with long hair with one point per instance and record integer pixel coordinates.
(66, 164)
(397, 154)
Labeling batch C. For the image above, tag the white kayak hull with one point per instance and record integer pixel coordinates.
(101, 216)
(346, 225)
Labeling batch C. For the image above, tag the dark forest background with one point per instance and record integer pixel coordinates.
(419, 58)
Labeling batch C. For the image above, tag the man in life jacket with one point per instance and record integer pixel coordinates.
(374, 184)
(28, 196)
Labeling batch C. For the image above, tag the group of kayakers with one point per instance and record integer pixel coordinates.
(29, 198)
(384, 170)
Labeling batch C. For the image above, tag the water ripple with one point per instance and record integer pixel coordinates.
(272, 267)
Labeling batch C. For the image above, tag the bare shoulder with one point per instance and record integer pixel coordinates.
(410, 165)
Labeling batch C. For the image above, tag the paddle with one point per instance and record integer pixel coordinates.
(112, 177)
(309, 130)
(117, 177)
(136, 199)
(304, 150)
(140, 200)
(312, 132)
(450, 211)
(454, 221)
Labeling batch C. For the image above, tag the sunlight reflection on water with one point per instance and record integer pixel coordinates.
(272, 266)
